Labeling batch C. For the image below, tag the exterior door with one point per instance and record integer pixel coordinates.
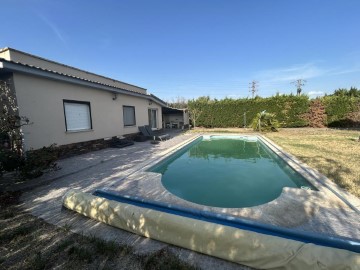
(152, 118)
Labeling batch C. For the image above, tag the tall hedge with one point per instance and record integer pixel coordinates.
(289, 110)
(342, 110)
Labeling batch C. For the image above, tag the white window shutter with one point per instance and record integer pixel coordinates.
(129, 116)
(77, 116)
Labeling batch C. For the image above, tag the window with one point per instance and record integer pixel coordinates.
(129, 115)
(77, 115)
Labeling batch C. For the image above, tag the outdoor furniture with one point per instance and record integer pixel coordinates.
(159, 135)
(146, 131)
(174, 125)
(120, 142)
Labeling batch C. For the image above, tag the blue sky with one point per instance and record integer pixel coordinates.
(193, 48)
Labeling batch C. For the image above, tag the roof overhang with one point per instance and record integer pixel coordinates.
(11, 66)
(168, 110)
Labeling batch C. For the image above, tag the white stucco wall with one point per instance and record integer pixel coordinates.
(5, 54)
(41, 100)
(186, 117)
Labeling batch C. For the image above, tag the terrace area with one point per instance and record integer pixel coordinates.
(323, 213)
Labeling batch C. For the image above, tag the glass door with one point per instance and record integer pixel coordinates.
(152, 118)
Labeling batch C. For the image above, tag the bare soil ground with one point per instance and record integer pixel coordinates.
(28, 242)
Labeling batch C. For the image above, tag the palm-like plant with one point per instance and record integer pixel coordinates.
(264, 121)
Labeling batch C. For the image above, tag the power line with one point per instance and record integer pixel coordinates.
(253, 88)
(299, 84)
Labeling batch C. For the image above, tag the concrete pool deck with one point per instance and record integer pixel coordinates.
(109, 167)
(298, 209)
(98, 169)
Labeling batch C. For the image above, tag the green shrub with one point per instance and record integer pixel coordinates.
(32, 165)
(37, 161)
(10, 160)
(265, 121)
(338, 109)
(289, 110)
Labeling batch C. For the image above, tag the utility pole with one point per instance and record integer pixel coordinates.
(299, 84)
(245, 119)
(253, 88)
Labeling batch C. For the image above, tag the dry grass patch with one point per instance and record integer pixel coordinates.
(334, 153)
(28, 242)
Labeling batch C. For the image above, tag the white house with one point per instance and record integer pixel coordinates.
(69, 106)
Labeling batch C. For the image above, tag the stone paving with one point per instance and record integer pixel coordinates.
(109, 167)
(99, 169)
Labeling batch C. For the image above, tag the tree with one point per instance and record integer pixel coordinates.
(197, 106)
(12, 158)
(341, 92)
(354, 92)
(178, 103)
(344, 92)
(194, 114)
(10, 121)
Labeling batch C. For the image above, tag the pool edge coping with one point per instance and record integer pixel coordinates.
(320, 181)
(157, 158)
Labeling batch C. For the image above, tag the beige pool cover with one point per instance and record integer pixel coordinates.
(236, 245)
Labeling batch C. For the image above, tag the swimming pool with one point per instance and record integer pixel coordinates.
(227, 172)
(281, 217)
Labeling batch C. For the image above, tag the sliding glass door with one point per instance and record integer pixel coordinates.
(152, 118)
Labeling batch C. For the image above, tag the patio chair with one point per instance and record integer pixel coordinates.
(150, 134)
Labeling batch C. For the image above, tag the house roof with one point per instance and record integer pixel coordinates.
(169, 110)
(66, 66)
(13, 66)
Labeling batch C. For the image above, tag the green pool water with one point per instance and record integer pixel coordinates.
(229, 172)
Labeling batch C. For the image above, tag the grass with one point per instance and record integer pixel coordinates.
(334, 153)
(163, 260)
(63, 245)
(108, 248)
(37, 261)
(20, 231)
(81, 253)
(28, 242)
(67, 227)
